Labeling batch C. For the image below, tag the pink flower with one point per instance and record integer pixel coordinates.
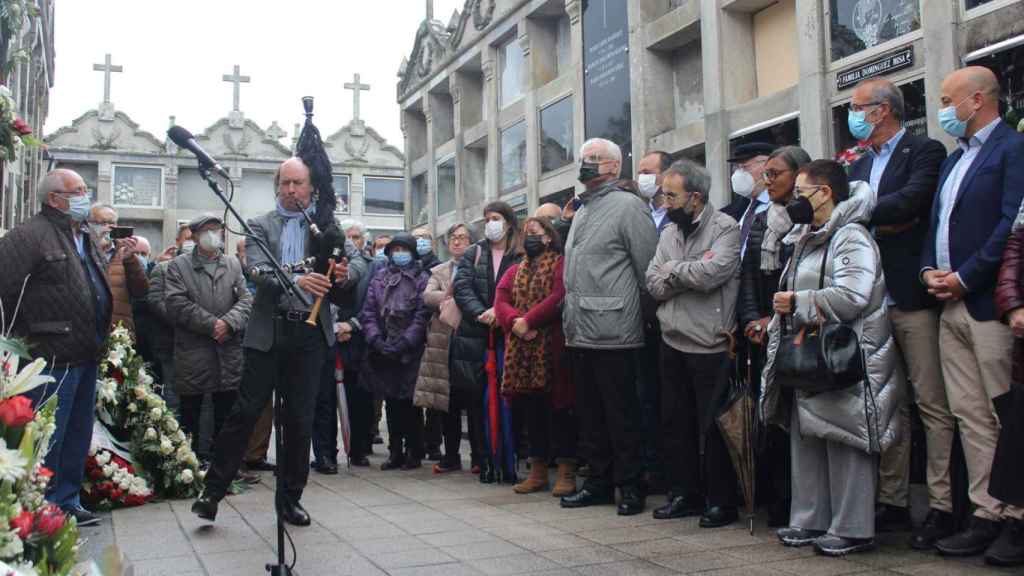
(22, 523)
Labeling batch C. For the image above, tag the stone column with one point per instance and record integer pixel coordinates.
(406, 172)
(431, 175)
(716, 131)
(530, 107)
(104, 185)
(574, 8)
(489, 63)
(939, 25)
(455, 89)
(170, 221)
(815, 113)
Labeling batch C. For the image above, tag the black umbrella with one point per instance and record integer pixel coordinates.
(736, 421)
(1007, 479)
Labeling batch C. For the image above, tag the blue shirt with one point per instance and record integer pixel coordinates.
(658, 214)
(950, 189)
(881, 158)
(758, 205)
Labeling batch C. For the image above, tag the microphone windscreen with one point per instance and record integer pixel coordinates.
(179, 135)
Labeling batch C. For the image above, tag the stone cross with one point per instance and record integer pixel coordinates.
(107, 68)
(237, 79)
(356, 88)
(430, 9)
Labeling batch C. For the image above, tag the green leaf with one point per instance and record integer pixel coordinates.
(15, 347)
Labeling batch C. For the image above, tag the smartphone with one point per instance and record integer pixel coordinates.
(121, 232)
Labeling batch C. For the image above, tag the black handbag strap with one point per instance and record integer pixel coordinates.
(821, 276)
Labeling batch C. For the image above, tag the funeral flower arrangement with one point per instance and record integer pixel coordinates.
(127, 404)
(15, 133)
(847, 157)
(36, 538)
(111, 482)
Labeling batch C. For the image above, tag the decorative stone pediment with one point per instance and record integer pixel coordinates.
(347, 145)
(222, 140)
(475, 17)
(430, 50)
(91, 132)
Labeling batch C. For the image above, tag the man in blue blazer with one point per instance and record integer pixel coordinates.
(980, 190)
(903, 170)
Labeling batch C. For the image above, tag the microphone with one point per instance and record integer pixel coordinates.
(184, 139)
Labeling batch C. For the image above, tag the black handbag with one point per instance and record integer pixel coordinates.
(825, 359)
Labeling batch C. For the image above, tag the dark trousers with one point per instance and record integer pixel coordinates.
(691, 440)
(649, 389)
(551, 433)
(360, 414)
(259, 442)
(405, 428)
(192, 406)
(292, 366)
(432, 426)
(325, 417)
(470, 401)
(609, 413)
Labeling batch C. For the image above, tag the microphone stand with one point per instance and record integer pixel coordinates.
(281, 568)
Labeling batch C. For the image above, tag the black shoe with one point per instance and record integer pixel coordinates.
(294, 514)
(487, 472)
(205, 507)
(434, 455)
(830, 545)
(797, 537)
(261, 465)
(632, 502)
(412, 463)
(84, 517)
(889, 518)
(937, 525)
(361, 461)
(718, 516)
(377, 439)
(583, 471)
(585, 497)
(778, 514)
(1008, 549)
(678, 507)
(980, 534)
(328, 466)
(394, 462)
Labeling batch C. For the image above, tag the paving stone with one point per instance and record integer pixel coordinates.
(816, 566)
(620, 535)
(457, 569)
(407, 558)
(628, 568)
(517, 564)
(698, 561)
(475, 550)
(586, 555)
(660, 547)
(170, 566)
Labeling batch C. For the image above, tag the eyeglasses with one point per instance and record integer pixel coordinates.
(772, 174)
(458, 238)
(807, 190)
(858, 107)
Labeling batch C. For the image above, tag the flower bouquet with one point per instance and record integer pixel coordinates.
(111, 482)
(36, 538)
(15, 133)
(127, 404)
(847, 157)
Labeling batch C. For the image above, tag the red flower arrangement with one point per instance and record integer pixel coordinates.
(111, 482)
(16, 411)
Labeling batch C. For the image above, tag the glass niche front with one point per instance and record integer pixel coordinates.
(858, 25)
(915, 115)
(1008, 67)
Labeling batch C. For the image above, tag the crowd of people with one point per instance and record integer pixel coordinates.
(600, 338)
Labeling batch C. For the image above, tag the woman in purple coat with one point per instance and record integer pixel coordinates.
(394, 320)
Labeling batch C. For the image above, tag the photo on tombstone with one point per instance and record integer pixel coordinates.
(858, 25)
(915, 115)
(606, 91)
(137, 186)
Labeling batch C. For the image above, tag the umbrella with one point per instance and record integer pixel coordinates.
(498, 414)
(343, 421)
(1007, 477)
(736, 421)
(491, 397)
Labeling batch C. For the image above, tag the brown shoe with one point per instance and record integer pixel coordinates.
(565, 478)
(537, 480)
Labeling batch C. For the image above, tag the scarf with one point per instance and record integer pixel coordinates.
(528, 363)
(293, 236)
(771, 247)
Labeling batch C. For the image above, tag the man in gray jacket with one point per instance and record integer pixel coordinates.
(694, 277)
(606, 255)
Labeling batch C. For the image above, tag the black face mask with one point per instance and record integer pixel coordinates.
(800, 209)
(683, 219)
(534, 245)
(589, 171)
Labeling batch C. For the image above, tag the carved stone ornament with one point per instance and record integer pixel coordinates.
(425, 58)
(236, 119)
(482, 15)
(357, 147)
(105, 112)
(572, 8)
(237, 148)
(105, 141)
(275, 132)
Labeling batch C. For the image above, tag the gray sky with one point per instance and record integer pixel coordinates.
(174, 54)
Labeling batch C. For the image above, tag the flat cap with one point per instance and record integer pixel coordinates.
(746, 151)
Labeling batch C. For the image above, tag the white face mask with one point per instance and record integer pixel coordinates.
(648, 185)
(187, 246)
(742, 182)
(211, 241)
(494, 230)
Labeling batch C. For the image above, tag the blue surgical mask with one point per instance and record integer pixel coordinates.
(859, 127)
(401, 259)
(423, 246)
(954, 126)
(78, 207)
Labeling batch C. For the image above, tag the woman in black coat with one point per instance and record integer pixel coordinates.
(476, 279)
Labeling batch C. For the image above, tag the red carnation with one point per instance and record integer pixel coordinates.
(21, 127)
(45, 472)
(116, 494)
(118, 375)
(50, 520)
(16, 412)
(95, 473)
(23, 524)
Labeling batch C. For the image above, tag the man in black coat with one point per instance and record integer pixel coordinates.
(903, 170)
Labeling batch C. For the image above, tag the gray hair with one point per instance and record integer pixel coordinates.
(696, 177)
(52, 181)
(886, 91)
(451, 230)
(609, 150)
(349, 223)
(794, 157)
